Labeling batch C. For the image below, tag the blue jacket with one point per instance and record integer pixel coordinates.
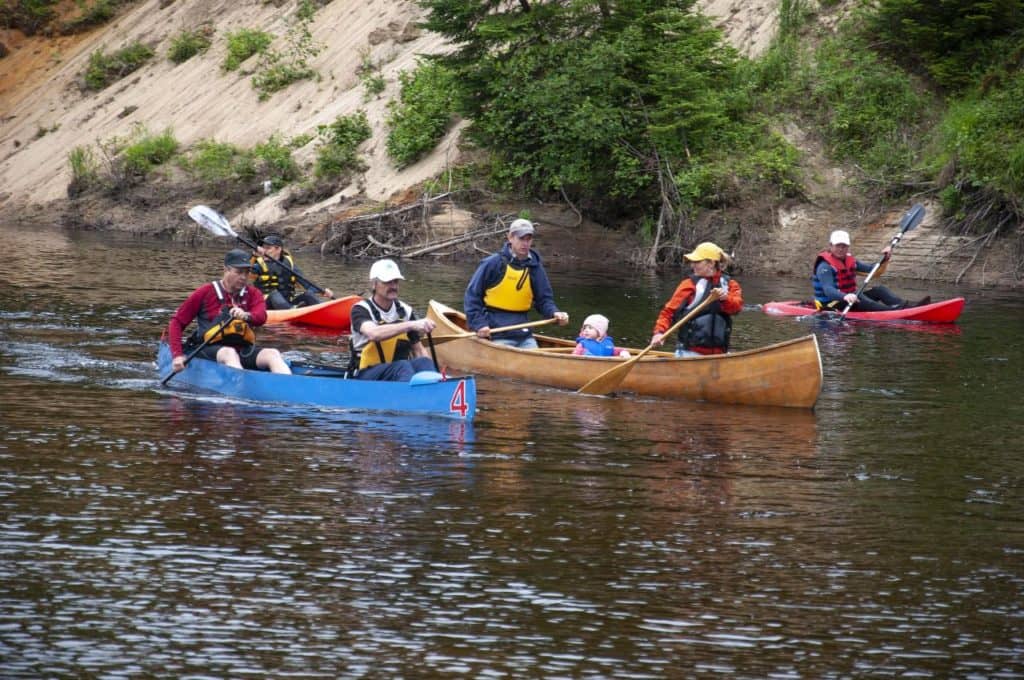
(488, 274)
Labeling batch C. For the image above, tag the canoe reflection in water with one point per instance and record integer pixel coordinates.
(673, 457)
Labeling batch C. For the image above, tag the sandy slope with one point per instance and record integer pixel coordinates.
(39, 86)
(196, 99)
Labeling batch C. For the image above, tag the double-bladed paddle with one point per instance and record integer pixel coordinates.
(217, 224)
(613, 377)
(500, 329)
(911, 219)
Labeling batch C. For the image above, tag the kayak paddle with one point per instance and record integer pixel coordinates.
(613, 377)
(910, 220)
(217, 224)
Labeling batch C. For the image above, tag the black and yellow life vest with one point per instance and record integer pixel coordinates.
(272, 276)
(383, 351)
(513, 293)
(225, 330)
(711, 328)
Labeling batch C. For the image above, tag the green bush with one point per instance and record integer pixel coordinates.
(420, 117)
(188, 44)
(104, 69)
(147, 151)
(28, 16)
(278, 70)
(244, 43)
(276, 162)
(336, 157)
(83, 165)
(213, 161)
(96, 14)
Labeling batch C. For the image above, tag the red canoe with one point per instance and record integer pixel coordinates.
(945, 311)
(330, 314)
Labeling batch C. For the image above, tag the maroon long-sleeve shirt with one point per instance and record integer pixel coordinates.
(203, 301)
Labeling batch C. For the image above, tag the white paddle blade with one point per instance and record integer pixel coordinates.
(211, 220)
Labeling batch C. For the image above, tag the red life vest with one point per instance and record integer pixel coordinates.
(846, 270)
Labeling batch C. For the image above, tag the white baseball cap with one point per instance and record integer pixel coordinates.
(521, 227)
(839, 237)
(385, 270)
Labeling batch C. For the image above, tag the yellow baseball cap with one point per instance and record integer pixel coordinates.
(705, 251)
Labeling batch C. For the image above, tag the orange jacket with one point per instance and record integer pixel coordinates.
(683, 295)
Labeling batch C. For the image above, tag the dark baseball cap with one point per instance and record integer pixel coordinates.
(237, 258)
(273, 240)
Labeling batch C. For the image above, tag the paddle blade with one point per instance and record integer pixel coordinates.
(211, 220)
(912, 218)
(610, 379)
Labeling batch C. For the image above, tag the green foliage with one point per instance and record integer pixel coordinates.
(96, 13)
(104, 69)
(336, 157)
(954, 41)
(147, 150)
(28, 16)
(420, 117)
(213, 161)
(188, 44)
(299, 141)
(983, 134)
(84, 169)
(218, 162)
(278, 70)
(276, 163)
(242, 44)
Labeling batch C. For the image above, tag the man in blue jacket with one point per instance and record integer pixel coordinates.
(506, 285)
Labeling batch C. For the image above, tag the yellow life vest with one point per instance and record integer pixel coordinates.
(513, 293)
(235, 332)
(232, 331)
(267, 279)
(392, 349)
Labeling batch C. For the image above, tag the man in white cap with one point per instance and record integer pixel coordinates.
(506, 285)
(835, 280)
(385, 331)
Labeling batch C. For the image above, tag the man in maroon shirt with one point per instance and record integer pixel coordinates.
(225, 312)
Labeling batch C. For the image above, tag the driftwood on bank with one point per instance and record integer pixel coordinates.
(391, 232)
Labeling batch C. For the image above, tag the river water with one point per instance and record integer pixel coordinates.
(146, 532)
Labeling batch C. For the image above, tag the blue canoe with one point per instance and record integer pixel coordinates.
(326, 386)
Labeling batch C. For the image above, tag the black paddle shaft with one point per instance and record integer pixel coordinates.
(221, 320)
(302, 279)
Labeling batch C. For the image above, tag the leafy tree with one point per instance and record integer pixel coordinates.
(595, 98)
(954, 41)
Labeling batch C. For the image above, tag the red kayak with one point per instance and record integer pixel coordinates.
(946, 311)
(332, 314)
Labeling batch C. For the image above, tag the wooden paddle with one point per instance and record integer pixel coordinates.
(613, 377)
(501, 329)
(911, 219)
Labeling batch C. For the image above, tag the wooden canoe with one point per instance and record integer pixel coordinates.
(332, 314)
(784, 374)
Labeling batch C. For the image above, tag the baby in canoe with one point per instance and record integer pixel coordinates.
(594, 340)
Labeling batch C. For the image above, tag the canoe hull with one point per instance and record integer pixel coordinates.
(944, 311)
(785, 374)
(324, 387)
(334, 314)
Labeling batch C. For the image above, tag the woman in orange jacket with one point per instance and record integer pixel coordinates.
(709, 331)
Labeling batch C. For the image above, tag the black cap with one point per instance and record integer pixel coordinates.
(273, 240)
(237, 258)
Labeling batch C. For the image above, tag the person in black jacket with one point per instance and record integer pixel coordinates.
(277, 283)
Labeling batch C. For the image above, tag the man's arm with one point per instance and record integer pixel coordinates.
(827, 277)
(473, 300)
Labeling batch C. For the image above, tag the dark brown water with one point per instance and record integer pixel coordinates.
(147, 532)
